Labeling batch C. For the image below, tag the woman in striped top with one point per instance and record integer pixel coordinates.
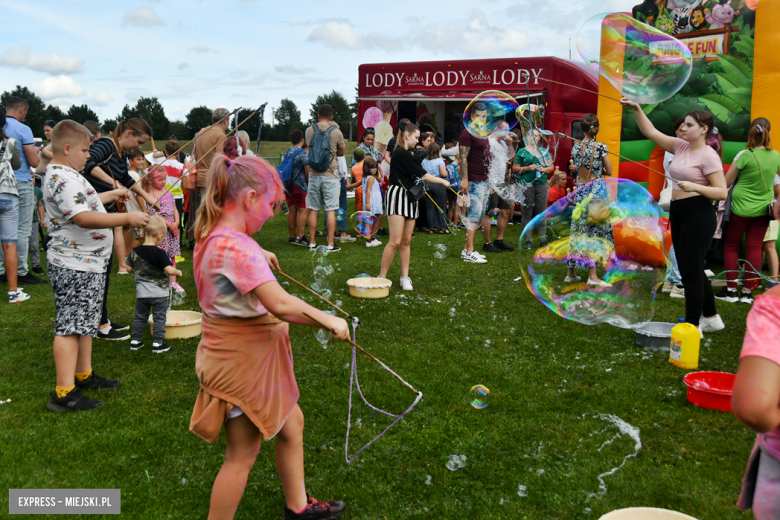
(402, 209)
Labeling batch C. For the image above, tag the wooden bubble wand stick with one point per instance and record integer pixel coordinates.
(315, 293)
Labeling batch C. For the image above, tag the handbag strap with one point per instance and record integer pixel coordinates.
(760, 172)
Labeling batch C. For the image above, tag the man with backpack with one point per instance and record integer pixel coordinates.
(326, 143)
(294, 172)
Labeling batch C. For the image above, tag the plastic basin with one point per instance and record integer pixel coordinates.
(372, 288)
(710, 389)
(180, 324)
(645, 513)
(654, 335)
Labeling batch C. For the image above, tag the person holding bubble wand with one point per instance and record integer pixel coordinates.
(697, 180)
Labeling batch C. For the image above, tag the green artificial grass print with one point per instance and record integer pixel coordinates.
(464, 324)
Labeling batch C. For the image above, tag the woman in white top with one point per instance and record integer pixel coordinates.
(698, 176)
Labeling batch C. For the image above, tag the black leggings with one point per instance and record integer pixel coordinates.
(693, 224)
(104, 309)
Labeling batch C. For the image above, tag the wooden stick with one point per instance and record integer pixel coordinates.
(154, 146)
(196, 162)
(176, 153)
(315, 293)
(456, 339)
(364, 351)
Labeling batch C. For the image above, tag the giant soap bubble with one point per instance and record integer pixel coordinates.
(641, 62)
(614, 224)
(541, 143)
(486, 110)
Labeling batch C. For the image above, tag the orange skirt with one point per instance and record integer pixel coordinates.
(244, 362)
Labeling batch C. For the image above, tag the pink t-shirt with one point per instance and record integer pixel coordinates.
(761, 340)
(693, 167)
(228, 265)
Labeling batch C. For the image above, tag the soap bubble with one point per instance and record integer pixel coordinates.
(522, 491)
(487, 109)
(440, 251)
(614, 224)
(493, 216)
(322, 271)
(456, 462)
(480, 396)
(641, 62)
(320, 256)
(323, 336)
(364, 282)
(465, 205)
(340, 215)
(363, 222)
(541, 143)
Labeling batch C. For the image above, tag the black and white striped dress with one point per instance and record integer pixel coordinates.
(404, 172)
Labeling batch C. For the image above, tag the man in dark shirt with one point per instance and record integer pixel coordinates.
(474, 185)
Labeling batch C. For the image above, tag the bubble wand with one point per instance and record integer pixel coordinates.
(315, 293)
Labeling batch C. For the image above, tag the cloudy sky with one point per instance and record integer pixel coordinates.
(246, 52)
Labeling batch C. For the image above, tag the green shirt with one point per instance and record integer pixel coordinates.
(754, 189)
(38, 199)
(526, 158)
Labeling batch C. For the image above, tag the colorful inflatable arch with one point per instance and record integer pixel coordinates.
(736, 76)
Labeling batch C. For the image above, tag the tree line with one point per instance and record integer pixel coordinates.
(276, 127)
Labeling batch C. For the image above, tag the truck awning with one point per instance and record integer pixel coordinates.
(441, 96)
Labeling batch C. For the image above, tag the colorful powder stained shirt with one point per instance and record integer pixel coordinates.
(149, 263)
(173, 173)
(66, 193)
(228, 266)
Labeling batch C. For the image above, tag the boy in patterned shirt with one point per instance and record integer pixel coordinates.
(81, 244)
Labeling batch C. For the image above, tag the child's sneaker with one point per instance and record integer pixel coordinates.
(96, 382)
(159, 348)
(135, 345)
(747, 296)
(74, 401)
(727, 295)
(18, 296)
(316, 510)
(111, 334)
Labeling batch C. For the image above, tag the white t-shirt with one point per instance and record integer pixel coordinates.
(499, 152)
(66, 193)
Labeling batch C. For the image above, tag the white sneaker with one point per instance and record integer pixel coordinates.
(713, 324)
(677, 292)
(312, 247)
(348, 238)
(708, 273)
(570, 279)
(18, 296)
(464, 254)
(474, 258)
(373, 243)
(600, 283)
(406, 283)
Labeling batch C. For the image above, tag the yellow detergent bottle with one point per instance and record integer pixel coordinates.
(684, 348)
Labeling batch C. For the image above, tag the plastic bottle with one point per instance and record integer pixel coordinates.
(684, 347)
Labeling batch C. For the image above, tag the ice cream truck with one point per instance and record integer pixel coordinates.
(390, 91)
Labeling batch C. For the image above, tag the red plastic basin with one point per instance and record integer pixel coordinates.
(710, 389)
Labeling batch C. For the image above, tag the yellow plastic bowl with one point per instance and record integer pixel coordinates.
(645, 513)
(372, 288)
(180, 324)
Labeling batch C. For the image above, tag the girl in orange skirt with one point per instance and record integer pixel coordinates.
(244, 359)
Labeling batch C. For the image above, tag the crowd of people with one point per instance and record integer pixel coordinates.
(97, 199)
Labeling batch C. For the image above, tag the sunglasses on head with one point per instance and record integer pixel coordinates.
(50, 123)
(370, 131)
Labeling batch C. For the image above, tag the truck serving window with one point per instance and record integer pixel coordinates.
(576, 131)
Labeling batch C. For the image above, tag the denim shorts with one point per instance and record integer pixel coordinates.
(323, 193)
(479, 194)
(9, 218)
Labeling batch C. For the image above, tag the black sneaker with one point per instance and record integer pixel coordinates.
(112, 335)
(96, 382)
(527, 245)
(334, 249)
(29, 279)
(316, 510)
(38, 270)
(490, 248)
(503, 245)
(301, 241)
(747, 296)
(118, 327)
(291, 240)
(135, 345)
(74, 401)
(158, 349)
(319, 234)
(728, 295)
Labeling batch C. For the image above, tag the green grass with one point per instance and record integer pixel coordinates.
(541, 414)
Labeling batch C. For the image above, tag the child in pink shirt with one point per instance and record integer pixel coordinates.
(244, 359)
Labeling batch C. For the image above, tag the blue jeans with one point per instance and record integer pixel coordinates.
(672, 271)
(341, 226)
(26, 206)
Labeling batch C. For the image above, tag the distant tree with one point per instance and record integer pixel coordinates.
(108, 126)
(128, 112)
(287, 115)
(82, 113)
(342, 113)
(55, 114)
(180, 130)
(152, 111)
(37, 114)
(197, 118)
(252, 125)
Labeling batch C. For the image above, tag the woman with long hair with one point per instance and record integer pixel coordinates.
(367, 145)
(106, 170)
(401, 208)
(753, 170)
(697, 180)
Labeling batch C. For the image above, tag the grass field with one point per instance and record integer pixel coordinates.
(463, 325)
